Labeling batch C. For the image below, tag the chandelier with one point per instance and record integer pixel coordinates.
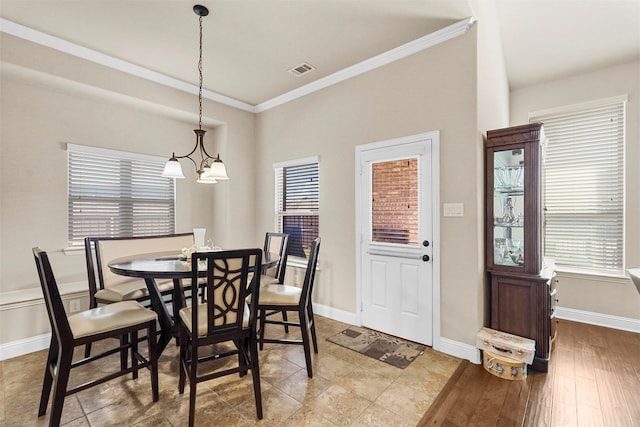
(209, 169)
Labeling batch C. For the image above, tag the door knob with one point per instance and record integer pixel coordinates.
(425, 243)
(425, 258)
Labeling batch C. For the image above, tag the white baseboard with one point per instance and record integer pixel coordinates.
(598, 319)
(335, 314)
(24, 346)
(444, 345)
(458, 349)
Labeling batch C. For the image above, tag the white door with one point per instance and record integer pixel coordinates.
(395, 197)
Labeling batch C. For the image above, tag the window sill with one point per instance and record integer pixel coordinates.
(73, 250)
(296, 262)
(593, 276)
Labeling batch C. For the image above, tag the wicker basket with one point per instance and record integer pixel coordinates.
(504, 367)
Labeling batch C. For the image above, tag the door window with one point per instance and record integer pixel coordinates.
(395, 203)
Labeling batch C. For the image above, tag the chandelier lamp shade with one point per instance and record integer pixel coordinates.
(209, 169)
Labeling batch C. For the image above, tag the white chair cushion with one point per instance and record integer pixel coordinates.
(109, 317)
(186, 316)
(130, 290)
(267, 280)
(264, 281)
(279, 295)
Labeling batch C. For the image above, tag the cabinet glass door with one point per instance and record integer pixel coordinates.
(508, 207)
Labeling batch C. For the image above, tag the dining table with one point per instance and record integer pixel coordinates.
(167, 265)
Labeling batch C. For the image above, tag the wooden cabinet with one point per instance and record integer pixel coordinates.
(522, 285)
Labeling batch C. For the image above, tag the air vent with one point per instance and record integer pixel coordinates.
(301, 69)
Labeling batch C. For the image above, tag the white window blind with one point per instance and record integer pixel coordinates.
(584, 187)
(113, 193)
(297, 202)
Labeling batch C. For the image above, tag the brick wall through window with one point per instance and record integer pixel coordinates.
(395, 204)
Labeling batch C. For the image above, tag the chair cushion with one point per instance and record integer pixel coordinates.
(267, 280)
(130, 290)
(279, 295)
(109, 317)
(186, 315)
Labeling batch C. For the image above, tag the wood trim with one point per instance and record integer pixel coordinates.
(443, 403)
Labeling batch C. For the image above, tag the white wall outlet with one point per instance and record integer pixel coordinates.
(453, 209)
(74, 305)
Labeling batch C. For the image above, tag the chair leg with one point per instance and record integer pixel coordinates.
(52, 361)
(305, 340)
(87, 350)
(193, 383)
(124, 343)
(312, 327)
(153, 358)
(243, 359)
(263, 317)
(285, 319)
(182, 363)
(255, 374)
(60, 385)
(134, 354)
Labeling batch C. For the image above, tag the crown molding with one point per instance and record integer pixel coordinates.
(425, 42)
(56, 43)
(392, 55)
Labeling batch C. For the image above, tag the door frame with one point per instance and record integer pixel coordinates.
(434, 137)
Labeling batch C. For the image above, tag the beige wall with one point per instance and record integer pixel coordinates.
(431, 90)
(493, 111)
(493, 86)
(604, 295)
(50, 99)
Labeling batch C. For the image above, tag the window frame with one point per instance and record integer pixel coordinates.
(279, 214)
(108, 156)
(617, 103)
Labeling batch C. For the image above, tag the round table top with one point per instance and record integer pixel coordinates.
(170, 265)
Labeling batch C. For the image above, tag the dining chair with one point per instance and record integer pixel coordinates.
(106, 287)
(275, 243)
(121, 320)
(221, 316)
(276, 297)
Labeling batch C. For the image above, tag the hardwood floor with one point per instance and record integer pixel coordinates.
(593, 380)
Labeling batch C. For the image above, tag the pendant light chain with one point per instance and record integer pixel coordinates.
(200, 72)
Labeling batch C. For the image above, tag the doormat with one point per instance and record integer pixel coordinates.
(385, 348)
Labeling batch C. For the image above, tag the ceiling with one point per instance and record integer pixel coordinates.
(250, 44)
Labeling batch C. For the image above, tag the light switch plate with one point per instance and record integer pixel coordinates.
(453, 209)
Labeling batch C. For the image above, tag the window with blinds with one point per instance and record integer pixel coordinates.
(297, 201)
(117, 194)
(584, 186)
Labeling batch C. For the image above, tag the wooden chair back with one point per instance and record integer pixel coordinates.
(277, 243)
(310, 275)
(227, 285)
(55, 308)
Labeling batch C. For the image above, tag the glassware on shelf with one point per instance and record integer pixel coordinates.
(498, 251)
(508, 176)
(514, 254)
(508, 216)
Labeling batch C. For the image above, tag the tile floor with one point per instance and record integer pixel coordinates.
(348, 389)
